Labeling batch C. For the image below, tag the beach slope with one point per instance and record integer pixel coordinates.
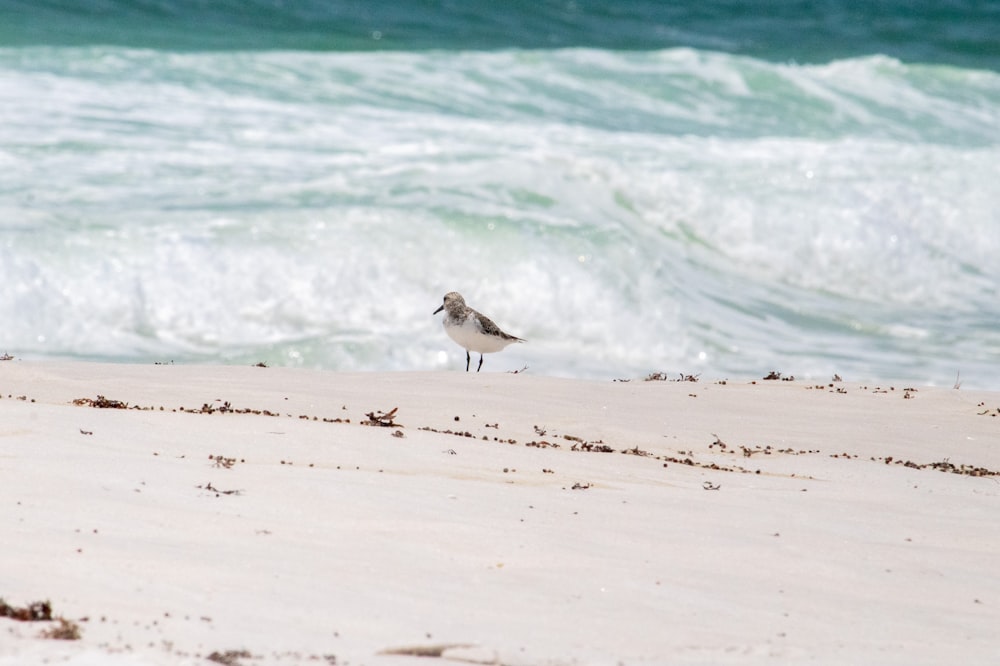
(248, 515)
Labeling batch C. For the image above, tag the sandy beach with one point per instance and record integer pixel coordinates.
(246, 515)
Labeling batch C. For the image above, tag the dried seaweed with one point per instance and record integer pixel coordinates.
(229, 657)
(64, 630)
(424, 650)
(101, 403)
(41, 611)
(37, 611)
(382, 419)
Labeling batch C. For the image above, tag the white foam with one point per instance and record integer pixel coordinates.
(313, 208)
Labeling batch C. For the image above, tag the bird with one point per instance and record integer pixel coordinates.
(472, 330)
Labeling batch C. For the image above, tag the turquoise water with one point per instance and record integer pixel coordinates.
(628, 186)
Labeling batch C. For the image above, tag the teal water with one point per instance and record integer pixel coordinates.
(959, 32)
(628, 186)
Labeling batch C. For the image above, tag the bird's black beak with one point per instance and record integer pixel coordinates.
(438, 310)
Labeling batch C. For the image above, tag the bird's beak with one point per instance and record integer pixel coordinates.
(438, 310)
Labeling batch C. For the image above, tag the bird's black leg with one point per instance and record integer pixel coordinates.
(480, 363)
(467, 359)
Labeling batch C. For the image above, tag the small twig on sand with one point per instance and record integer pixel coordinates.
(212, 489)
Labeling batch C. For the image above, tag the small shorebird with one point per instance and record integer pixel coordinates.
(472, 330)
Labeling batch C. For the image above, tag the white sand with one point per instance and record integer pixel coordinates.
(346, 541)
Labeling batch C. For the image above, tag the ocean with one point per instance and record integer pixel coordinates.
(715, 189)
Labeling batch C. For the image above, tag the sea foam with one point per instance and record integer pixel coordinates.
(624, 212)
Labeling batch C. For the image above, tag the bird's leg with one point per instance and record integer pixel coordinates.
(480, 363)
(467, 359)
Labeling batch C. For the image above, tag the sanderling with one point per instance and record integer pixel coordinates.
(472, 330)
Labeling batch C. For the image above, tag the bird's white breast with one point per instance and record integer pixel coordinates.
(469, 335)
